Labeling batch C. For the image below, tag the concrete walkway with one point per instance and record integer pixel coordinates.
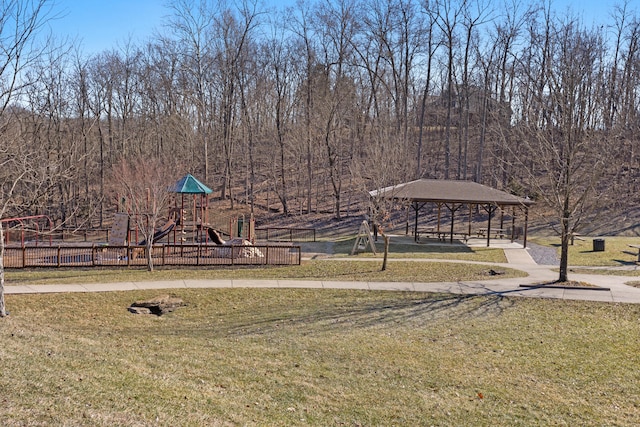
(518, 258)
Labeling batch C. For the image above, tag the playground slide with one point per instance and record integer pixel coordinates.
(214, 236)
(166, 229)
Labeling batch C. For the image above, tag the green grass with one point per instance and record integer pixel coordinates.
(358, 270)
(400, 248)
(260, 357)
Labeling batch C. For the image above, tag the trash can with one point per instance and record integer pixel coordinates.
(598, 245)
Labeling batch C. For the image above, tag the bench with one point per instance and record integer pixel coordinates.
(427, 231)
(443, 236)
(638, 248)
(497, 232)
(574, 237)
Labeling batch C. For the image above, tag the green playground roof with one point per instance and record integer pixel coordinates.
(190, 185)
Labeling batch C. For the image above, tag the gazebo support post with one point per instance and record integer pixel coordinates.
(513, 224)
(453, 210)
(490, 210)
(415, 223)
(416, 208)
(526, 225)
(406, 230)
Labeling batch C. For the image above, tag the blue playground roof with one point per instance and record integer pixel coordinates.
(190, 185)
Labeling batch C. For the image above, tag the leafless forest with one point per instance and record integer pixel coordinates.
(302, 110)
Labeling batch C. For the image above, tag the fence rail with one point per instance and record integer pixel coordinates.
(285, 234)
(162, 255)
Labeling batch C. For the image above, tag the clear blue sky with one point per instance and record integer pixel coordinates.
(103, 24)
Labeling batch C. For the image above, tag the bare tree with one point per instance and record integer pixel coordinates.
(449, 14)
(560, 130)
(474, 15)
(192, 23)
(20, 23)
(279, 56)
(233, 44)
(432, 44)
(336, 91)
(145, 183)
(10, 177)
(300, 25)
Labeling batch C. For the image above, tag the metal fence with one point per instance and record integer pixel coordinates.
(285, 234)
(162, 255)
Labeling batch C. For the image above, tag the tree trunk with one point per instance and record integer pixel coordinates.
(3, 310)
(564, 251)
(149, 253)
(386, 249)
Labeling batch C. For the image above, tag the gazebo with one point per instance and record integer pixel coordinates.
(454, 194)
(189, 185)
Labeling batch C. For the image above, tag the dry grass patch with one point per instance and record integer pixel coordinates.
(617, 251)
(402, 249)
(358, 270)
(318, 357)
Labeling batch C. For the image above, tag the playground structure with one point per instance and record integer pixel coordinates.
(30, 228)
(189, 219)
(243, 247)
(187, 237)
(119, 252)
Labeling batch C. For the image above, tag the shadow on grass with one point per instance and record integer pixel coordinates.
(625, 262)
(432, 247)
(406, 245)
(419, 310)
(633, 254)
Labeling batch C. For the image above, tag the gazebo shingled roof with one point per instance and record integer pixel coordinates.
(451, 193)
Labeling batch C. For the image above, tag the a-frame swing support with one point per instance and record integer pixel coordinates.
(364, 239)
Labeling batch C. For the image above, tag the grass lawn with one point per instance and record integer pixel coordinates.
(358, 270)
(400, 248)
(617, 253)
(259, 357)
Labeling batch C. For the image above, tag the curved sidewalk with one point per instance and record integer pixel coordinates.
(519, 259)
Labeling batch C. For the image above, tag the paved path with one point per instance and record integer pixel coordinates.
(517, 258)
